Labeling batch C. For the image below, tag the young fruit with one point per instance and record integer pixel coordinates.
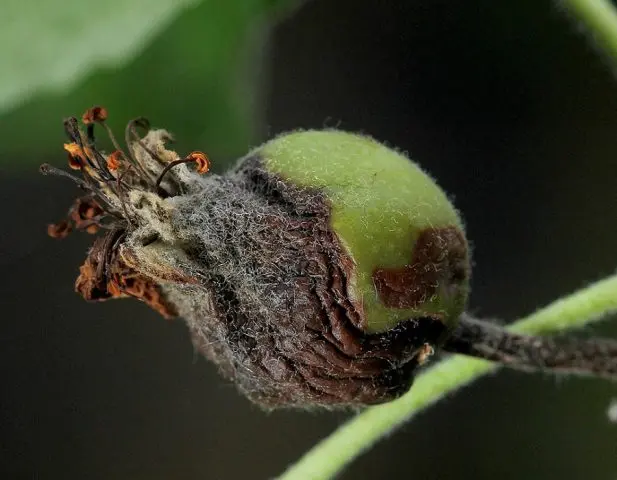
(321, 270)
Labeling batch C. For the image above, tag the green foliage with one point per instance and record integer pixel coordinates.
(191, 67)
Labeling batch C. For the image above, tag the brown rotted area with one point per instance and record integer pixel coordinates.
(310, 350)
(439, 259)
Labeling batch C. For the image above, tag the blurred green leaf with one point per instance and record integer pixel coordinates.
(47, 45)
(199, 76)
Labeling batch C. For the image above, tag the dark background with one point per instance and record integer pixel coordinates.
(505, 103)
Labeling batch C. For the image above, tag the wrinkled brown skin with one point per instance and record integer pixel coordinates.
(312, 352)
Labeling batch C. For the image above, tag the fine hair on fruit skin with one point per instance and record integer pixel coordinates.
(322, 270)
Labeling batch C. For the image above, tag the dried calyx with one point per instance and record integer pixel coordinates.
(321, 270)
(115, 184)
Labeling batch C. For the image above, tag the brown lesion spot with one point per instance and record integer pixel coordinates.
(439, 260)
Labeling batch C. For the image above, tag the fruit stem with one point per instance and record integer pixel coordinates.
(483, 339)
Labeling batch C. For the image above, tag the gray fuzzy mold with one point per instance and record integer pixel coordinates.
(268, 301)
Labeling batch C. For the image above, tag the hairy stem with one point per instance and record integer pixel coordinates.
(599, 18)
(558, 354)
(332, 454)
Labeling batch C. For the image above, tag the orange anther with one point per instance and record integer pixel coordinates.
(94, 115)
(59, 230)
(201, 160)
(114, 160)
(77, 155)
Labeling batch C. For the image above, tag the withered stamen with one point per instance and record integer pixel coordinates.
(98, 114)
(90, 134)
(112, 137)
(139, 140)
(130, 128)
(72, 130)
(122, 196)
(47, 169)
(105, 165)
(202, 161)
(93, 186)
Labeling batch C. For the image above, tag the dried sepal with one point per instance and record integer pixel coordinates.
(105, 275)
(112, 179)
